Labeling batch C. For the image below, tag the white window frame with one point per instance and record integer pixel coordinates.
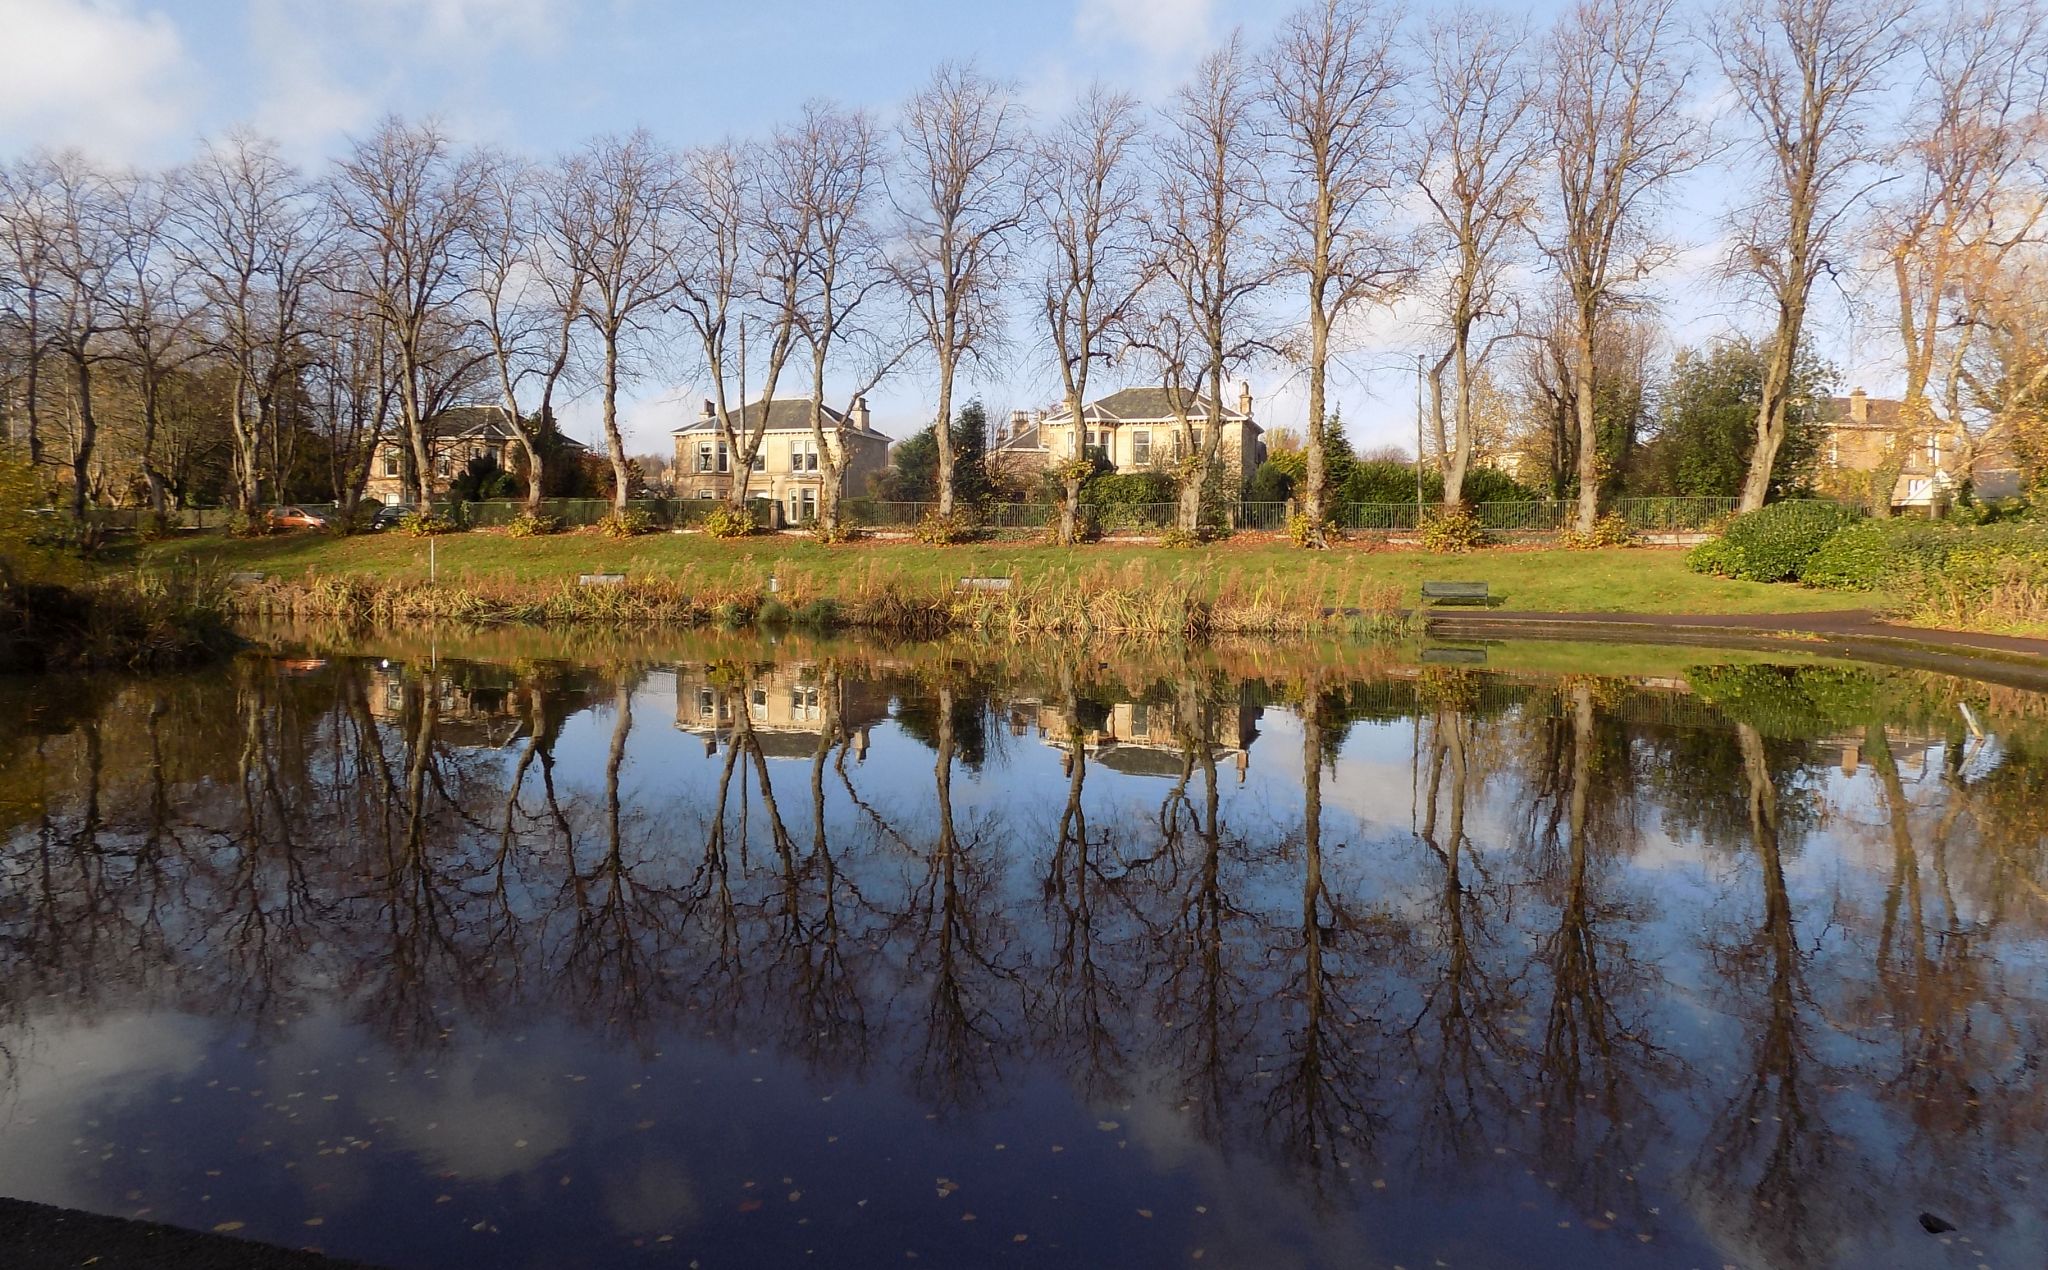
(1141, 447)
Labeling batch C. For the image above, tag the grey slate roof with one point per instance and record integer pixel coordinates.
(785, 414)
(487, 422)
(1141, 405)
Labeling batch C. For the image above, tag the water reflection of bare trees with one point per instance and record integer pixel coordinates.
(432, 841)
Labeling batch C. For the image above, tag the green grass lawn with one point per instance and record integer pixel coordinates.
(1641, 580)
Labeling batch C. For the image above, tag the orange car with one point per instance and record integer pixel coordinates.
(294, 518)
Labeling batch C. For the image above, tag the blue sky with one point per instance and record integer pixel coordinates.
(141, 80)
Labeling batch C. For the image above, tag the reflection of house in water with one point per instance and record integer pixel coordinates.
(785, 707)
(1146, 738)
(480, 706)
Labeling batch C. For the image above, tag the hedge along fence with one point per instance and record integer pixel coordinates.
(1645, 515)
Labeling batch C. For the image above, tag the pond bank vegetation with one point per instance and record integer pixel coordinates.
(1100, 600)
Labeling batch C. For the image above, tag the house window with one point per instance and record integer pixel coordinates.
(760, 463)
(705, 496)
(706, 706)
(1074, 444)
(1934, 449)
(803, 455)
(803, 703)
(760, 706)
(441, 465)
(1141, 447)
(803, 506)
(391, 463)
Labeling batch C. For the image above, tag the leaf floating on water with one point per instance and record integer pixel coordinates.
(316, 1221)
(1145, 1213)
(750, 1205)
(1107, 1126)
(442, 1199)
(967, 1217)
(227, 1227)
(1018, 1239)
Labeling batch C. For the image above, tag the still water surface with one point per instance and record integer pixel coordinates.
(727, 953)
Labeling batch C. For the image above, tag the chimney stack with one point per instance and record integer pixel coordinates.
(860, 414)
(1019, 420)
(1244, 397)
(1859, 407)
(710, 410)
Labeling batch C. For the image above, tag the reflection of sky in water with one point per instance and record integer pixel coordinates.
(398, 1067)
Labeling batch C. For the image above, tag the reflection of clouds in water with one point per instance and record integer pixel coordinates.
(650, 1197)
(73, 1071)
(473, 1117)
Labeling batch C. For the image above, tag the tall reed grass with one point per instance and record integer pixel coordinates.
(1101, 599)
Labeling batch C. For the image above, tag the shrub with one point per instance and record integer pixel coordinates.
(1452, 530)
(1776, 540)
(626, 524)
(727, 521)
(1716, 556)
(425, 524)
(940, 531)
(1611, 530)
(773, 612)
(1856, 557)
(533, 525)
(1126, 489)
(1177, 538)
(821, 613)
(1303, 531)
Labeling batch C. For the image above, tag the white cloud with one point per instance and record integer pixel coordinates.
(1165, 30)
(93, 74)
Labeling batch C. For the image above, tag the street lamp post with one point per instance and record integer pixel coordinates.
(1418, 442)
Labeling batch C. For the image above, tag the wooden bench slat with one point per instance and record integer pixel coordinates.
(1456, 592)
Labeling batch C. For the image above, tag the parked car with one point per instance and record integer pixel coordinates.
(389, 515)
(294, 518)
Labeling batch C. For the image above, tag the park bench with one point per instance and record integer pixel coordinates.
(1455, 593)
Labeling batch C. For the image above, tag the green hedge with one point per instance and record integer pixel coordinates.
(1773, 543)
(1858, 557)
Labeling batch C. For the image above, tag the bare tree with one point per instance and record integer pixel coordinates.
(1332, 88)
(1478, 160)
(1086, 211)
(354, 386)
(25, 281)
(1207, 266)
(528, 301)
(1619, 133)
(409, 203)
(158, 311)
(1973, 156)
(724, 246)
(81, 233)
(827, 270)
(613, 208)
(1806, 73)
(260, 252)
(961, 201)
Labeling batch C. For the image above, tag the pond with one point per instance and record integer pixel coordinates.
(716, 950)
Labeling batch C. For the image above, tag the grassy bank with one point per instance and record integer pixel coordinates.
(147, 619)
(1241, 585)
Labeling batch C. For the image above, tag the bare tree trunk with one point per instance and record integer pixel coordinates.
(88, 435)
(943, 434)
(1589, 432)
(614, 443)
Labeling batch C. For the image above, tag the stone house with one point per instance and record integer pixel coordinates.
(454, 437)
(785, 708)
(1864, 434)
(1135, 429)
(788, 468)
